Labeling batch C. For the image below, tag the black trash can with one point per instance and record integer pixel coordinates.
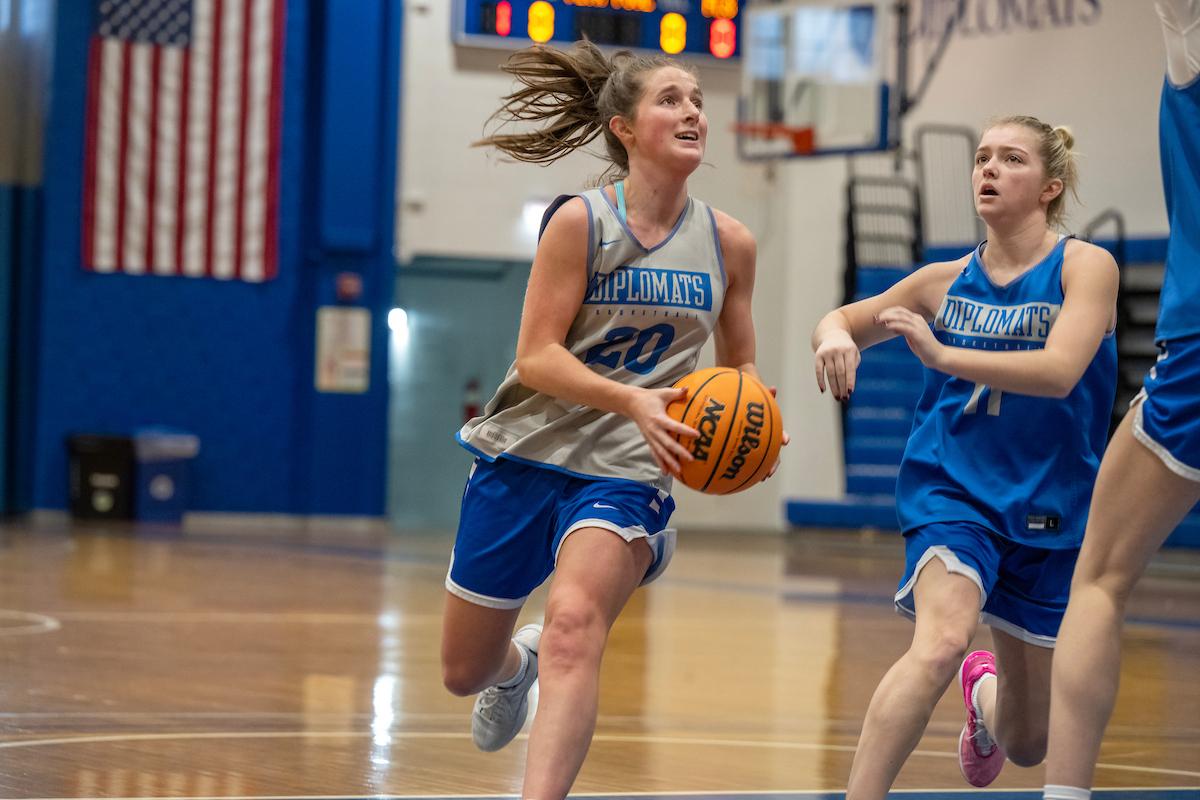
(101, 476)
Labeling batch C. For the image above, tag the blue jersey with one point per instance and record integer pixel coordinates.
(1019, 465)
(1179, 146)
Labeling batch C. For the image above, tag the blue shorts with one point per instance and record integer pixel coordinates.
(1167, 410)
(1023, 589)
(515, 517)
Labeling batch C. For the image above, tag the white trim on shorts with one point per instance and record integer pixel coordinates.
(1035, 639)
(629, 534)
(478, 599)
(954, 565)
(1169, 461)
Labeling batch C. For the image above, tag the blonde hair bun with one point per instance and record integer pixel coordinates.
(1064, 133)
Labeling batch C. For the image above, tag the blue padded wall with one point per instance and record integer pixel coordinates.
(229, 361)
(8, 244)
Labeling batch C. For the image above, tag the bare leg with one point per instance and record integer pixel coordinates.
(947, 616)
(1016, 706)
(477, 650)
(1137, 502)
(596, 573)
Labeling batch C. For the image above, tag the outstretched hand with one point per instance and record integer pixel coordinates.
(916, 332)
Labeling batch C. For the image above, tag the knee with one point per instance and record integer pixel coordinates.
(1101, 576)
(463, 677)
(1027, 751)
(1117, 586)
(1103, 596)
(574, 635)
(942, 655)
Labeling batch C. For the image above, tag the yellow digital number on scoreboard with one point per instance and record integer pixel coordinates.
(721, 9)
(541, 21)
(672, 33)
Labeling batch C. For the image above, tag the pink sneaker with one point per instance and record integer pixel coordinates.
(980, 757)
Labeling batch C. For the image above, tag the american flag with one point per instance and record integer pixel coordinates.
(183, 115)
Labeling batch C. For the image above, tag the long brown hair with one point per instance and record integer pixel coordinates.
(571, 95)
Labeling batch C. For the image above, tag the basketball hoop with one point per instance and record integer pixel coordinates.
(815, 79)
(801, 139)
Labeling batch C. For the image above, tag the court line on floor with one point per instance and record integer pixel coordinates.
(602, 737)
(793, 595)
(82, 718)
(246, 617)
(38, 623)
(372, 618)
(387, 553)
(1140, 792)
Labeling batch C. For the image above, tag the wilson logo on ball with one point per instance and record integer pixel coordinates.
(755, 416)
(739, 430)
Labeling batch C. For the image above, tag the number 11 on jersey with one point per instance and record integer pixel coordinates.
(993, 403)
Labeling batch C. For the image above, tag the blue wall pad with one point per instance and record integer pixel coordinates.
(853, 511)
(232, 362)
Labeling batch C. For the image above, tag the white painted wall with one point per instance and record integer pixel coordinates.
(1101, 74)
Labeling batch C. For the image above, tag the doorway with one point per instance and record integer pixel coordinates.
(453, 337)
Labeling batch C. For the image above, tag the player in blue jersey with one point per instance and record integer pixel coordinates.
(992, 495)
(575, 450)
(1150, 477)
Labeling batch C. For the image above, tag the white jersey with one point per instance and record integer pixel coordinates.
(645, 317)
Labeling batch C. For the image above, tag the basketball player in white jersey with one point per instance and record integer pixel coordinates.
(575, 451)
(1150, 476)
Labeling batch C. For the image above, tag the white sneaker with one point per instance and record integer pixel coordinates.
(500, 712)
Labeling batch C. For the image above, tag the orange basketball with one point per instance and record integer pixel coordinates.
(740, 430)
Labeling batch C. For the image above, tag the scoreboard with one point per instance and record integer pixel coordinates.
(677, 27)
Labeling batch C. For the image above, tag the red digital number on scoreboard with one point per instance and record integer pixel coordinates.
(722, 38)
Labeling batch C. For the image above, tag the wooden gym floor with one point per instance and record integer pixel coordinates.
(229, 662)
